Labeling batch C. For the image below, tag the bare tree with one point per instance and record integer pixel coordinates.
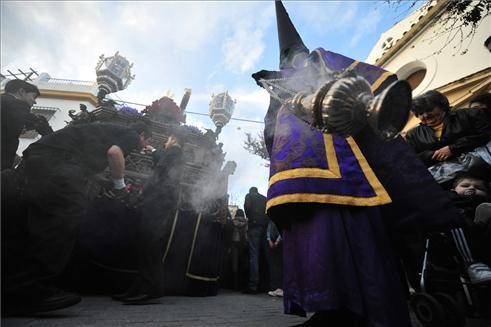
(256, 146)
(455, 19)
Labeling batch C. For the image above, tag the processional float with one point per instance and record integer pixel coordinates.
(108, 233)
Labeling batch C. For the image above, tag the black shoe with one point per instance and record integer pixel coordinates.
(142, 299)
(250, 291)
(130, 292)
(59, 300)
(317, 319)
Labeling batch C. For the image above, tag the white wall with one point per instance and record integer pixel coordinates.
(441, 68)
(395, 32)
(58, 120)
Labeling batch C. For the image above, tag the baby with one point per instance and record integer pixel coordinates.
(471, 195)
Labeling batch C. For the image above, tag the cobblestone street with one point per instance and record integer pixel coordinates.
(227, 309)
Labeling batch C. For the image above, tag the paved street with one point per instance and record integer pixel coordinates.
(227, 309)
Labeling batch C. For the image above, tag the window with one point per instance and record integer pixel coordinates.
(388, 43)
(416, 78)
(416, 73)
(47, 112)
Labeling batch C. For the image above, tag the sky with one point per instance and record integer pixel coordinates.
(208, 46)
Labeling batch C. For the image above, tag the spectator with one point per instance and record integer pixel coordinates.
(55, 173)
(239, 243)
(470, 192)
(16, 116)
(275, 260)
(444, 138)
(257, 221)
(483, 102)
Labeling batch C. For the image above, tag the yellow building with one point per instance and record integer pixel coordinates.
(58, 96)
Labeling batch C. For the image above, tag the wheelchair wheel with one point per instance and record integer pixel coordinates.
(454, 313)
(428, 310)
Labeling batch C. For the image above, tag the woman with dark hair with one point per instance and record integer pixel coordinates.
(443, 136)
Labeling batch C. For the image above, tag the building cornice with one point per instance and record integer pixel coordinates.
(69, 95)
(484, 74)
(423, 21)
(472, 84)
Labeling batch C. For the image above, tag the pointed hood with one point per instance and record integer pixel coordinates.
(292, 49)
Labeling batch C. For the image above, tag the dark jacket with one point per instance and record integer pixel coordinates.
(255, 210)
(467, 206)
(463, 131)
(168, 166)
(16, 116)
(85, 144)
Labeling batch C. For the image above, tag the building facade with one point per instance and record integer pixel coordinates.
(58, 97)
(419, 50)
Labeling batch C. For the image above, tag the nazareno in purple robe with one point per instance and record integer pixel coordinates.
(341, 202)
(340, 256)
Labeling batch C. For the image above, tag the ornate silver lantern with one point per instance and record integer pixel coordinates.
(221, 110)
(113, 74)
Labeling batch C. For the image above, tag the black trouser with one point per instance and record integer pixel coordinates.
(9, 149)
(157, 212)
(40, 241)
(275, 264)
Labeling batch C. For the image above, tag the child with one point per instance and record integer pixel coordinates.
(470, 192)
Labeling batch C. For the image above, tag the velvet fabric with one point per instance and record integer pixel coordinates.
(299, 146)
(337, 250)
(346, 262)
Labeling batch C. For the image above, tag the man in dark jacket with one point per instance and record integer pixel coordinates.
(257, 222)
(54, 175)
(445, 134)
(449, 142)
(16, 116)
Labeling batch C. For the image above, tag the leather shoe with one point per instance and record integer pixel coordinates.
(59, 300)
(250, 291)
(130, 292)
(142, 299)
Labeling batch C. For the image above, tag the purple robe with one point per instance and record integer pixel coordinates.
(345, 263)
(338, 200)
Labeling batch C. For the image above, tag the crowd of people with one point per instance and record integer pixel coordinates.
(254, 263)
(444, 138)
(323, 257)
(357, 211)
(454, 146)
(45, 197)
